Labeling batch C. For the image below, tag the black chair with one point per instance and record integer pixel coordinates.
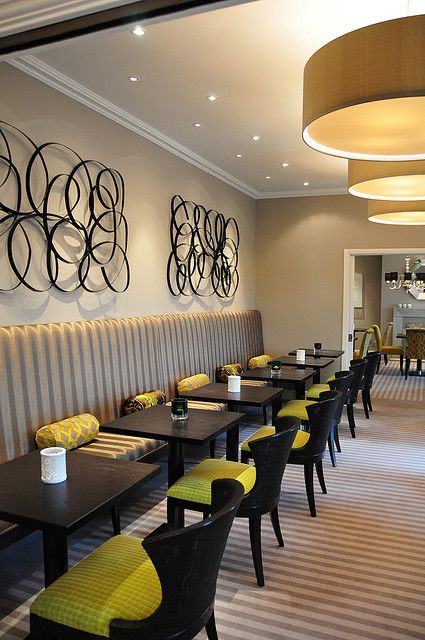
(373, 360)
(187, 562)
(358, 368)
(321, 416)
(270, 456)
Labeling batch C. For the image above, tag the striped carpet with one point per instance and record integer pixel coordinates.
(390, 384)
(355, 572)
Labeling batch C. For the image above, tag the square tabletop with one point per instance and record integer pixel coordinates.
(93, 483)
(217, 392)
(323, 353)
(200, 427)
(315, 363)
(286, 374)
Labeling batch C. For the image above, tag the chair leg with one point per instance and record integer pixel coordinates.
(211, 629)
(351, 422)
(365, 405)
(406, 369)
(401, 364)
(116, 521)
(274, 516)
(336, 437)
(378, 365)
(385, 359)
(205, 514)
(308, 478)
(212, 448)
(319, 471)
(255, 538)
(265, 418)
(369, 400)
(175, 515)
(331, 445)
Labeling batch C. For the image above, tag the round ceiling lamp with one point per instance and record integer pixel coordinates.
(387, 180)
(364, 93)
(400, 213)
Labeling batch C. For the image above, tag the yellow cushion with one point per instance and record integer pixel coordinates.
(315, 390)
(356, 354)
(297, 408)
(301, 438)
(195, 485)
(117, 580)
(70, 433)
(193, 382)
(332, 377)
(150, 398)
(392, 350)
(259, 361)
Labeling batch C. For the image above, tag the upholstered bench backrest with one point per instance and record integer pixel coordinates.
(52, 371)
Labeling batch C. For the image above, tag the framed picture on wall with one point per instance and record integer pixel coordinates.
(358, 290)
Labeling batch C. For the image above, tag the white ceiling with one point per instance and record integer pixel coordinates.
(252, 56)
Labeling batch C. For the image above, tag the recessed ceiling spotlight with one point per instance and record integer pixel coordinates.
(306, 184)
(197, 125)
(268, 177)
(212, 98)
(255, 138)
(239, 155)
(138, 30)
(133, 79)
(285, 164)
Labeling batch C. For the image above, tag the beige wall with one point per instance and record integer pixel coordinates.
(371, 269)
(299, 258)
(152, 176)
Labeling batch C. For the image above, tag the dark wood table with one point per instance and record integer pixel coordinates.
(314, 363)
(93, 485)
(200, 428)
(324, 353)
(247, 396)
(296, 378)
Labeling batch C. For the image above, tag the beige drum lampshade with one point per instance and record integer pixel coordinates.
(364, 93)
(402, 213)
(387, 180)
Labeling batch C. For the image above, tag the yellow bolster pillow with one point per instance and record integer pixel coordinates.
(69, 433)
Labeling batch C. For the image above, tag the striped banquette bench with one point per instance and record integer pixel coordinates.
(53, 371)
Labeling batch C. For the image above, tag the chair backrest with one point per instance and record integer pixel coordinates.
(373, 359)
(321, 416)
(388, 335)
(378, 336)
(364, 345)
(187, 562)
(415, 349)
(270, 456)
(357, 367)
(342, 383)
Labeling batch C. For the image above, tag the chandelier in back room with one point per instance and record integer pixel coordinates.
(411, 280)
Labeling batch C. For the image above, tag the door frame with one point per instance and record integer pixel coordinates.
(348, 291)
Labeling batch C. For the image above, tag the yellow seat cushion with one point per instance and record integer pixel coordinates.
(356, 354)
(193, 382)
(117, 580)
(195, 485)
(151, 398)
(332, 377)
(315, 390)
(392, 350)
(297, 408)
(301, 438)
(259, 361)
(69, 433)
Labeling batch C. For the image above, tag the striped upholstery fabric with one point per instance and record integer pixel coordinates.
(113, 445)
(56, 370)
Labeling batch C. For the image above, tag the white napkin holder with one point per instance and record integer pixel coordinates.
(233, 384)
(53, 465)
(300, 355)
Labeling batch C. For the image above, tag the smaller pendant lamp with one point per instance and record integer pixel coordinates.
(396, 212)
(387, 180)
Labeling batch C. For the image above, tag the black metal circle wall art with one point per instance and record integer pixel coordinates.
(204, 251)
(61, 218)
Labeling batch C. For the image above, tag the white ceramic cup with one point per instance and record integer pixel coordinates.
(300, 355)
(233, 384)
(53, 465)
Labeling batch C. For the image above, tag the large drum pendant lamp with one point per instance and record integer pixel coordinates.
(364, 93)
(387, 180)
(393, 212)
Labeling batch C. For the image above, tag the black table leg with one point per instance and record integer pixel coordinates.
(300, 390)
(55, 551)
(116, 520)
(175, 462)
(276, 407)
(316, 377)
(232, 444)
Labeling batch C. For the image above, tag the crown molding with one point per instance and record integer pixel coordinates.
(22, 15)
(59, 81)
(303, 194)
